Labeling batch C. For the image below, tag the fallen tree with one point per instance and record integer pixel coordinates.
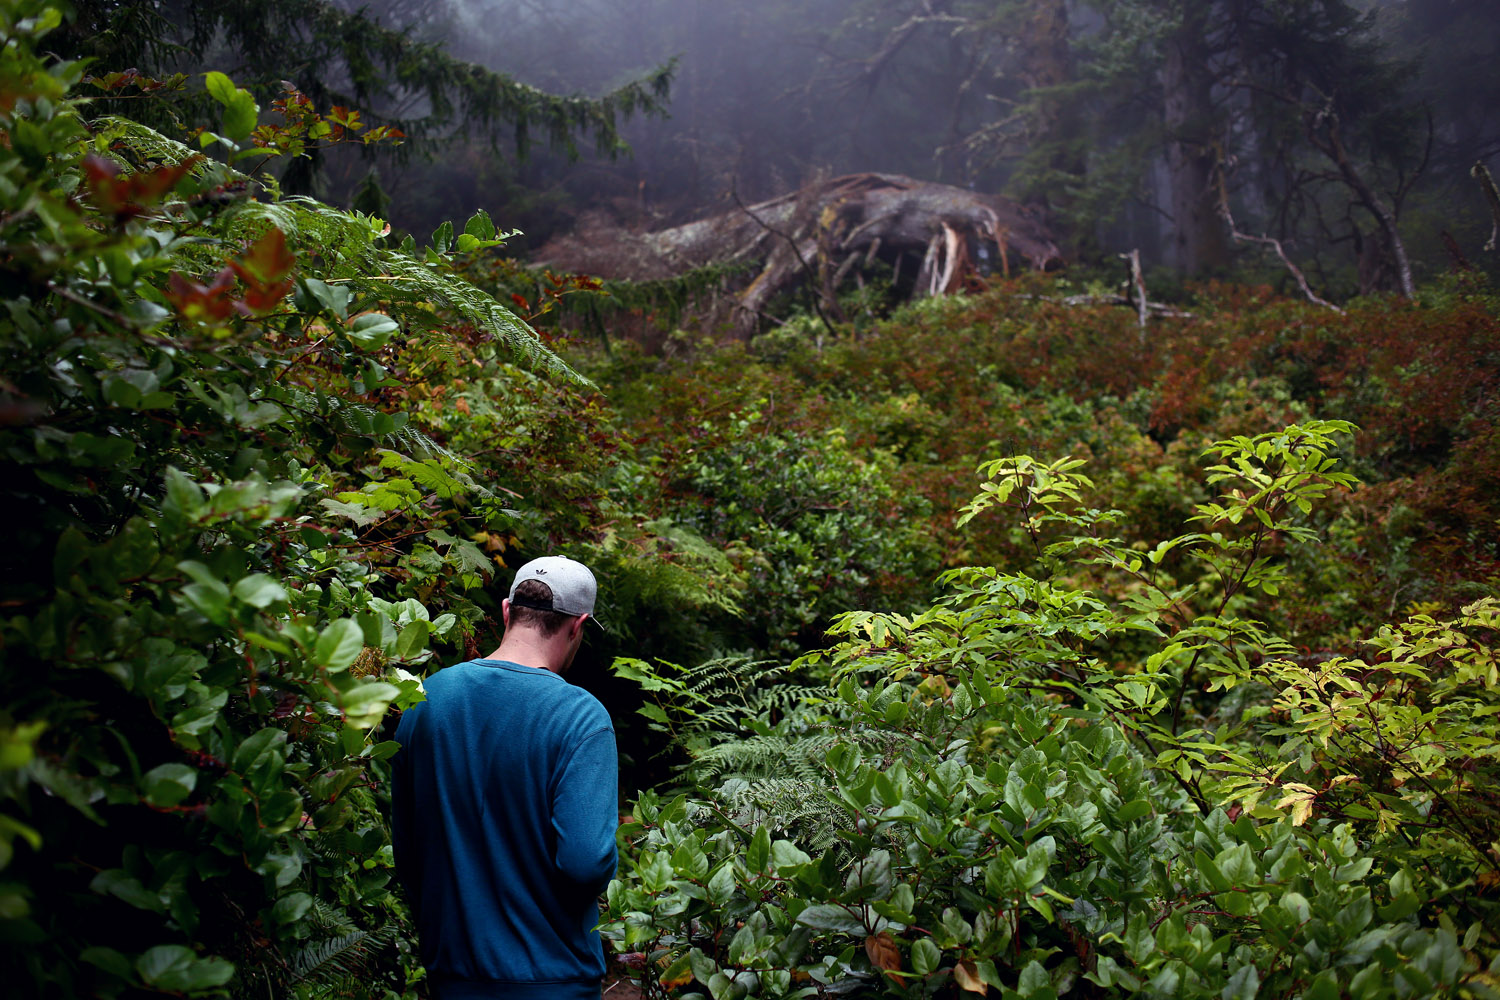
(934, 237)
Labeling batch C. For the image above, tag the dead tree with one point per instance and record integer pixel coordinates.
(819, 237)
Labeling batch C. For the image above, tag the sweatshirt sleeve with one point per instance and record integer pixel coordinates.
(585, 812)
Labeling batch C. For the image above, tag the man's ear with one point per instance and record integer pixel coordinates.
(505, 612)
(578, 624)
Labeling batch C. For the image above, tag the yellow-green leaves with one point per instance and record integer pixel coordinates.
(239, 108)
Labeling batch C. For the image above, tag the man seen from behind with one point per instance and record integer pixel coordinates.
(505, 806)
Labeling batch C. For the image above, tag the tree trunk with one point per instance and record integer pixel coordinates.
(1192, 144)
(1046, 64)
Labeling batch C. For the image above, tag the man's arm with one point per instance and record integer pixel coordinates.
(585, 812)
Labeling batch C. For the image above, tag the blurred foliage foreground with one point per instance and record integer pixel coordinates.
(262, 463)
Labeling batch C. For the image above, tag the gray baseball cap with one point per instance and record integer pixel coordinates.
(573, 587)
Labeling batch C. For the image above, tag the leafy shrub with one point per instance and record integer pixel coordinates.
(1020, 369)
(1031, 785)
(816, 527)
(212, 592)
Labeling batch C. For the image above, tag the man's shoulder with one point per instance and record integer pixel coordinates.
(534, 688)
(589, 710)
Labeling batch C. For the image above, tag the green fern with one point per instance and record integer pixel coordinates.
(149, 146)
(759, 741)
(327, 963)
(324, 919)
(350, 246)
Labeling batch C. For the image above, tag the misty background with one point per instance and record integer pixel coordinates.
(770, 95)
(1186, 129)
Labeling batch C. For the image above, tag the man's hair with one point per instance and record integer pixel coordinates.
(549, 623)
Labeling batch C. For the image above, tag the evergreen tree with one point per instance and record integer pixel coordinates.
(337, 57)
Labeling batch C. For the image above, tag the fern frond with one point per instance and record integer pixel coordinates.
(801, 809)
(346, 241)
(150, 146)
(476, 306)
(325, 919)
(323, 962)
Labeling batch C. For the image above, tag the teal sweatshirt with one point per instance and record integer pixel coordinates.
(505, 808)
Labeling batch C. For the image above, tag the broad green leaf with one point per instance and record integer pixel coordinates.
(759, 851)
(169, 784)
(480, 226)
(174, 968)
(1034, 981)
(338, 645)
(827, 917)
(259, 590)
(412, 641)
(925, 956)
(124, 886)
(291, 908)
(1243, 985)
(219, 87)
(240, 116)
(257, 748)
(785, 854)
(364, 705)
(109, 960)
(372, 330)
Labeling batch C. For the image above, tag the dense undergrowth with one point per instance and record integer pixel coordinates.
(265, 464)
(1109, 758)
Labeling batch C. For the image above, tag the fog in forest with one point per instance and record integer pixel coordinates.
(1069, 106)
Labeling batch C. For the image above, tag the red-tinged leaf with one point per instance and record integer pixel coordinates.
(883, 954)
(966, 974)
(202, 303)
(267, 260)
(678, 974)
(128, 195)
(520, 301)
(346, 117)
(265, 268)
(261, 299)
(177, 81)
(153, 185)
(121, 79)
(114, 81)
(98, 168)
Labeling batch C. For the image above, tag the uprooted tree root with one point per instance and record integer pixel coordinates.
(822, 236)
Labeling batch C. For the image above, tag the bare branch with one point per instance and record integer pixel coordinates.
(1322, 128)
(1270, 241)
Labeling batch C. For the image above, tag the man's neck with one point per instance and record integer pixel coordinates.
(517, 648)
